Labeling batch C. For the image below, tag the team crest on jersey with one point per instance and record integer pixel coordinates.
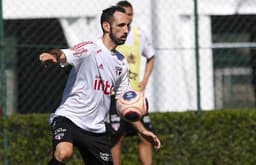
(131, 59)
(118, 70)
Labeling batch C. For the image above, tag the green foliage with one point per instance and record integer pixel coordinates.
(220, 137)
(215, 137)
(29, 139)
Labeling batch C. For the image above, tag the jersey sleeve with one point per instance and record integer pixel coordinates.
(123, 81)
(147, 47)
(77, 52)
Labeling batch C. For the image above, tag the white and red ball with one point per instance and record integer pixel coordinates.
(132, 105)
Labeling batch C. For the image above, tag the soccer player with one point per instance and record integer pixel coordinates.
(97, 70)
(136, 46)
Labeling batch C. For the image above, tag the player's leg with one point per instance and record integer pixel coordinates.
(94, 148)
(115, 132)
(62, 153)
(144, 146)
(62, 141)
(145, 151)
(116, 150)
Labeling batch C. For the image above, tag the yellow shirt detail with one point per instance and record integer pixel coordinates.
(132, 54)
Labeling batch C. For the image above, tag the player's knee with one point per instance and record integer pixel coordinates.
(63, 155)
(54, 161)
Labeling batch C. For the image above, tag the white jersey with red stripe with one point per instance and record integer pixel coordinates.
(96, 72)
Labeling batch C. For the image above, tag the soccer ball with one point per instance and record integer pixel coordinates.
(132, 106)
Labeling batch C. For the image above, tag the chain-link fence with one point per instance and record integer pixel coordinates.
(226, 37)
(226, 51)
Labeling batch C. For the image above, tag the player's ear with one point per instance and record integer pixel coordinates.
(106, 27)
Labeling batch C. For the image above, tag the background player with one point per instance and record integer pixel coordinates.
(97, 69)
(136, 46)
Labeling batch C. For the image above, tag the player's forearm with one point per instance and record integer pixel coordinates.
(148, 69)
(139, 126)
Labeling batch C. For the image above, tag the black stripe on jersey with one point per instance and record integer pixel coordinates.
(118, 55)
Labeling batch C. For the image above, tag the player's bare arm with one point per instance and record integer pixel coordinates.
(150, 136)
(147, 73)
(53, 56)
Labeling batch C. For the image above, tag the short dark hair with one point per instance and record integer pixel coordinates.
(124, 4)
(108, 14)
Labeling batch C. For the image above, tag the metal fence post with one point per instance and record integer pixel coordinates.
(197, 57)
(3, 86)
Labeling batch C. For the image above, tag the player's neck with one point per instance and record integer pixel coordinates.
(109, 44)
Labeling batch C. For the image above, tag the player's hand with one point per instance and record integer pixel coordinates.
(47, 57)
(148, 135)
(152, 138)
(142, 86)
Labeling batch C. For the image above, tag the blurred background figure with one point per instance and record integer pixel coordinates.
(137, 45)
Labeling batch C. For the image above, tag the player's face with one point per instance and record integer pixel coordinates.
(129, 12)
(119, 28)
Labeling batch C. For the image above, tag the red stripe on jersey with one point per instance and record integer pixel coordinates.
(81, 44)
